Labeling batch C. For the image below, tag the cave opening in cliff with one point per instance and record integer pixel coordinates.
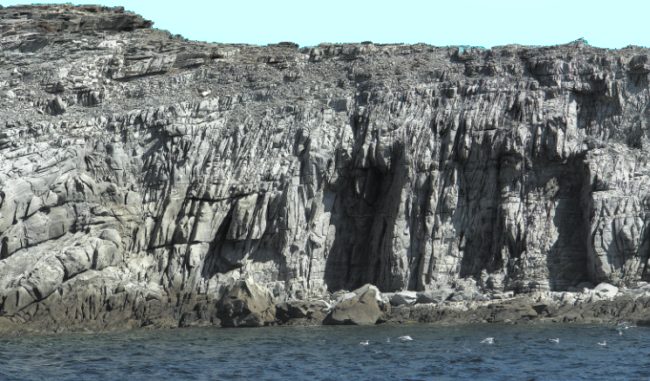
(364, 216)
(526, 222)
(568, 259)
(554, 247)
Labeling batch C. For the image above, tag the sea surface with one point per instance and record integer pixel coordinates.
(518, 352)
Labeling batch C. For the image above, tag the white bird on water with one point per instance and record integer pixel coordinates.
(388, 339)
(603, 344)
(488, 340)
(625, 325)
(405, 338)
(556, 340)
(364, 343)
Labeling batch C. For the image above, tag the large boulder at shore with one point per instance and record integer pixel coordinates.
(362, 306)
(403, 298)
(438, 295)
(513, 311)
(302, 310)
(246, 304)
(606, 290)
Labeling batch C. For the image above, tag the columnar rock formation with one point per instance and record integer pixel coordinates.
(142, 174)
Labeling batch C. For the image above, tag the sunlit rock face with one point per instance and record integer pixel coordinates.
(142, 174)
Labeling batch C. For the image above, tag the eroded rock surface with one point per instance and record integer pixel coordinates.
(363, 306)
(143, 175)
(246, 304)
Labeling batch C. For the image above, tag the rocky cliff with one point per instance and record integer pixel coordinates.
(143, 175)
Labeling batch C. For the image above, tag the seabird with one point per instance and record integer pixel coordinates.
(556, 340)
(488, 340)
(405, 338)
(364, 343)
(604, 343)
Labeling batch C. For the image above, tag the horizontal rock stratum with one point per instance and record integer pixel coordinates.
(144, 177)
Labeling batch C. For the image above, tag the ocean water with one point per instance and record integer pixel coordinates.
(519, 352)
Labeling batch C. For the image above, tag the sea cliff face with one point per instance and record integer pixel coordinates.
(144, 177)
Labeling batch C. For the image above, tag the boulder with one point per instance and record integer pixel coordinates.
(403, 298)
(342, 295)
(516, 310)
(246, 304)
(606, 290)
(467, 295)
(314, 310)
(434, 296)
(363, 308)
(56, 106)
(465, 290)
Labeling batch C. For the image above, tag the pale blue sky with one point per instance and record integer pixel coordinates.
(611, 24)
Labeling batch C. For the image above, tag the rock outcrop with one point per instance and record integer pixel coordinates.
(246, 304)
(143, 175)
(302, 312)
(363, 306)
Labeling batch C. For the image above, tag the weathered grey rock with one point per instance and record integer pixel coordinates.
(314, 311)
(56, 106)
(341, 295)
(512, 311)
(403, 297)
(466, 290)
(246, 304)
(641, 289)
(141, 174)
(363, 308)
(438, 295)
(606, 290)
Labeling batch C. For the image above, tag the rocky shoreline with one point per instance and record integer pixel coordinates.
(151, 181)
(247, 304)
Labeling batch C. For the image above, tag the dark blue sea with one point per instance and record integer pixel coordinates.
(518, 352)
